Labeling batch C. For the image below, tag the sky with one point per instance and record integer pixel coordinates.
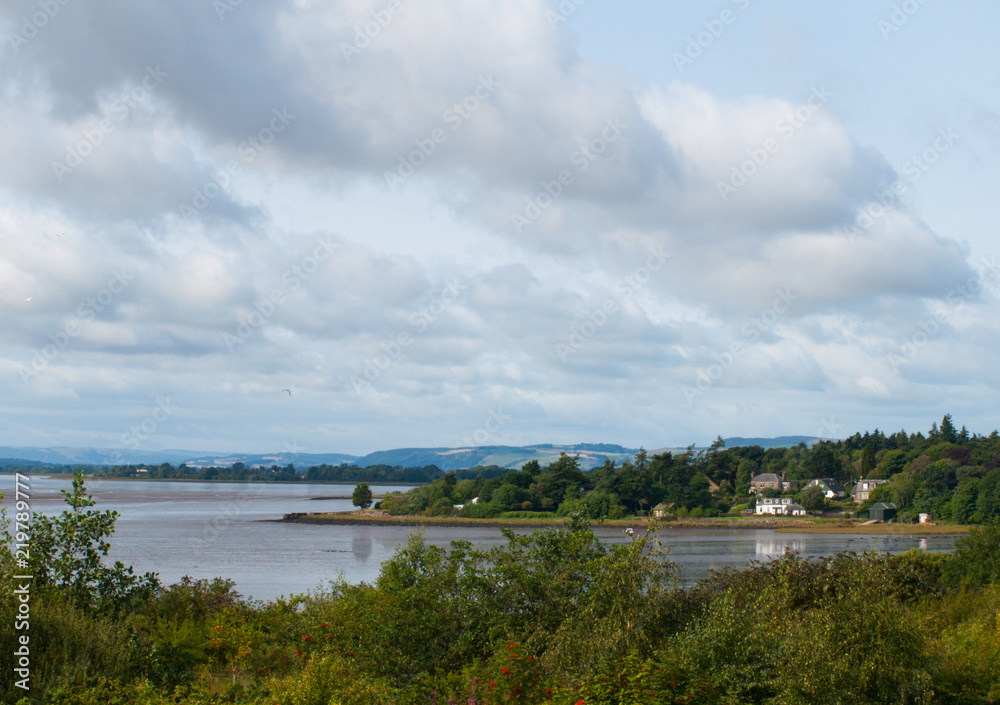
(347, 226)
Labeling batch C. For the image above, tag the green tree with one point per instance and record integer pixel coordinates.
(813, 499)
(362, 496)
(947, 431)
(892, 462)
(744, 472)
(67, 553)
(823, 463)
(963, 503)
(867, 461)
(988, 502)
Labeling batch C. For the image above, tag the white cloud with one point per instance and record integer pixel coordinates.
(248, 259)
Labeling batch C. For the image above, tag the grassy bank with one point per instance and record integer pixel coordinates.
(799, 526)
(381, 518)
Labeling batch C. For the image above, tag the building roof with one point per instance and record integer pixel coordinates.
(766, 477)
(829, 483)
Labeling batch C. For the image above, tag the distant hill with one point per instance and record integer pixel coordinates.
(591, 455)
(121, 456)
(96, 456)
(299, 460)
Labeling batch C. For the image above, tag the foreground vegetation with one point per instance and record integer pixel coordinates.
(555, 617)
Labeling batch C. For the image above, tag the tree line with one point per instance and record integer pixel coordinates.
(240, 472)
(950, 473)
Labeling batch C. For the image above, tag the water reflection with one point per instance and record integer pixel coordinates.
(769, 548)
(361, 546)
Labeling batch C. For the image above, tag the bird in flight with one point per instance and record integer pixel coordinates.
(287, 390)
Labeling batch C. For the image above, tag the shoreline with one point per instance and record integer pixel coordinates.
(375, 518)
(102, 478)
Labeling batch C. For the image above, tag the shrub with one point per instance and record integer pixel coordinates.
(67, 553)
(977, 556)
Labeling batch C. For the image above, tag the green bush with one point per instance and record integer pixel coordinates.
(69, 644)
(480, 510)
(967, 646)
(977, 556)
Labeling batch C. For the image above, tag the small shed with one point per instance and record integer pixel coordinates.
(882, 511)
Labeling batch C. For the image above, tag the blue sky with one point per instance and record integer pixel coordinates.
(494, 222)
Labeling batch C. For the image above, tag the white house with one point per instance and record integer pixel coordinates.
(779, 506)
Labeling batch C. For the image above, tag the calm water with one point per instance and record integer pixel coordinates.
(208, 530)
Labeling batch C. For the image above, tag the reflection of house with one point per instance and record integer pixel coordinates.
(767, 481)
(882, 511)
(831, 488)
(774, 547)
(779, 505)
(864, 488)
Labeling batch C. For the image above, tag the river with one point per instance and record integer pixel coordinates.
(223, 529)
